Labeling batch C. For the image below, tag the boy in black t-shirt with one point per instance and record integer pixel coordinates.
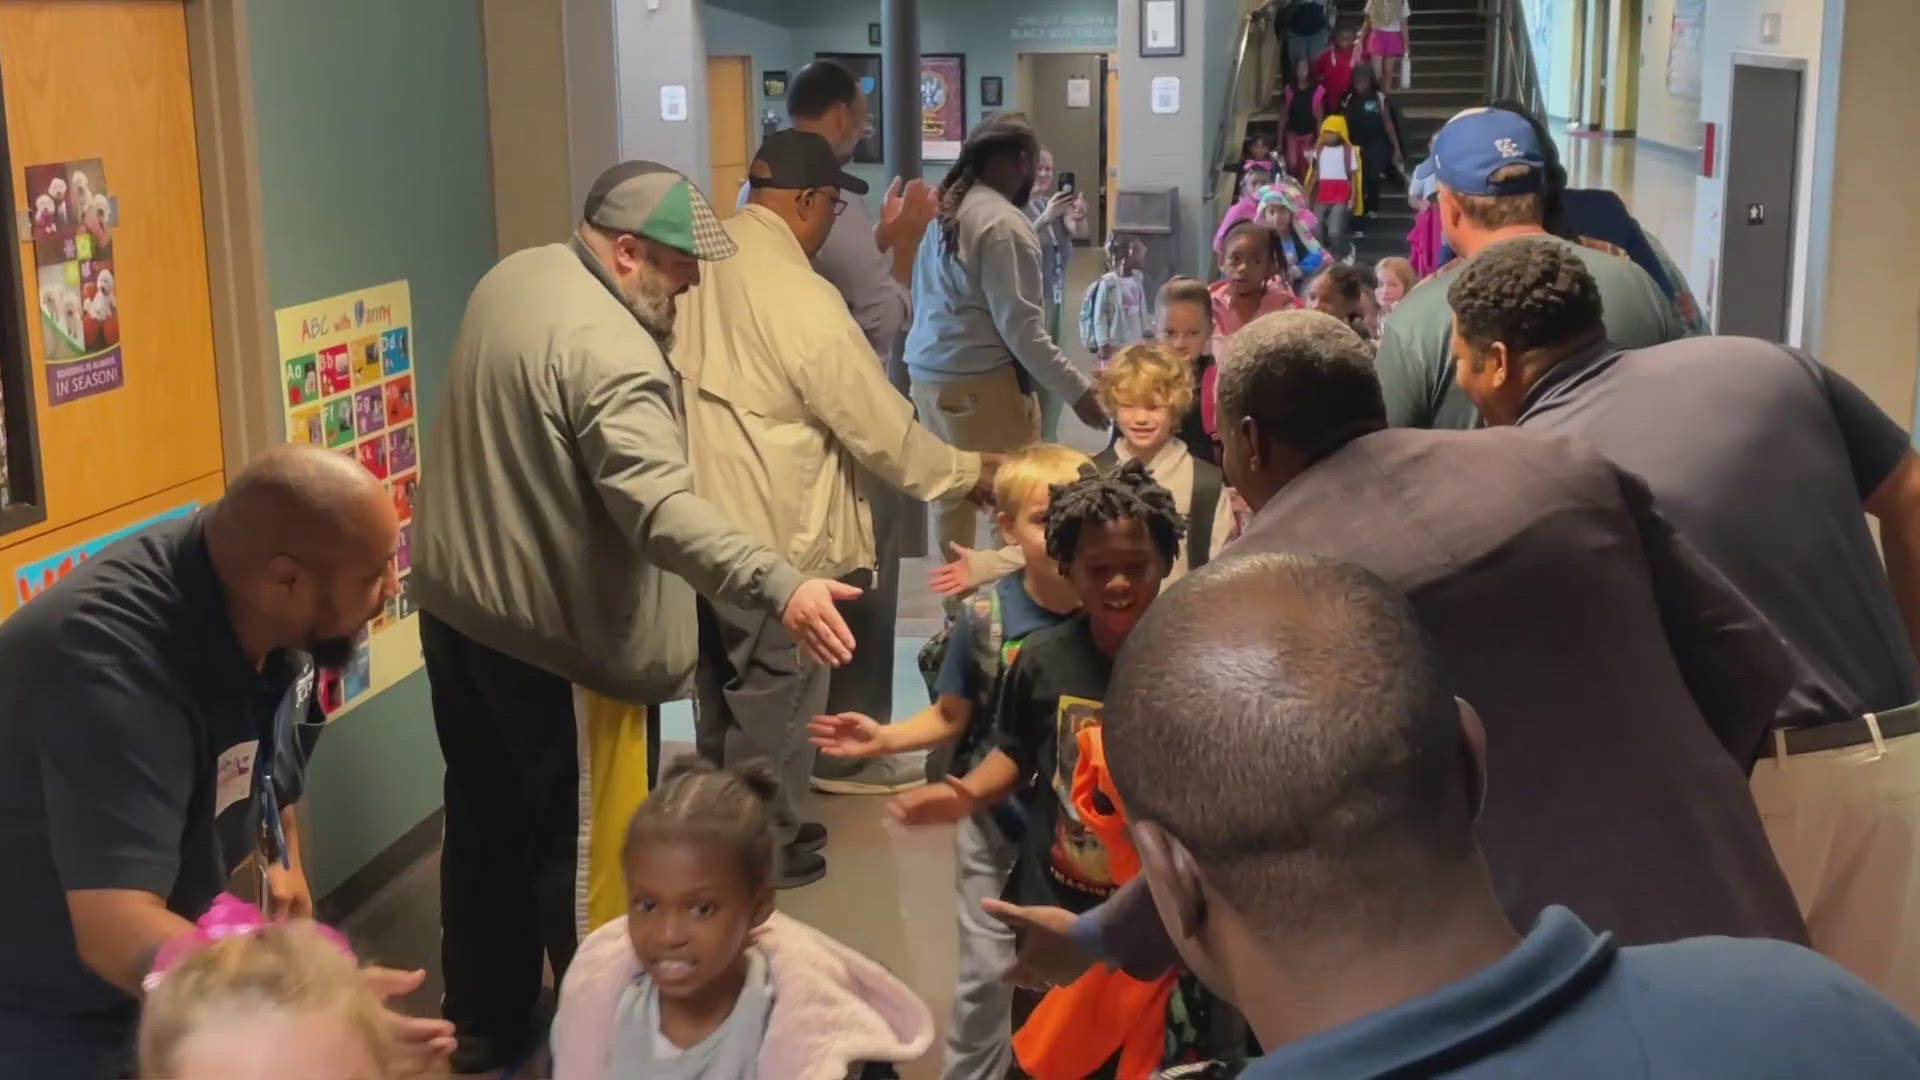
(1114, 535)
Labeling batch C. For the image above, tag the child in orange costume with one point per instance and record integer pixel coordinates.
(1079, 1027)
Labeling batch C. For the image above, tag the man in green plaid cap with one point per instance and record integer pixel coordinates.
(557, 551)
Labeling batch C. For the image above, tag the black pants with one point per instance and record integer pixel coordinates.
(865, 683)
(508, 865)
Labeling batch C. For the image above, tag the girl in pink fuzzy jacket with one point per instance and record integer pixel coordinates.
(702, 979)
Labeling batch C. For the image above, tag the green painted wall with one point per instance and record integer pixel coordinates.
(374, 166)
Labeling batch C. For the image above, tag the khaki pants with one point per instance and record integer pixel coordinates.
(976, 412)
(1845, 825)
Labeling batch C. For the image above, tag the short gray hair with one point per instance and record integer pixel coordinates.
(1300, 375)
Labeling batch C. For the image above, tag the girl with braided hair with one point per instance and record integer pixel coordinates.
(979, 345)
(702, 979)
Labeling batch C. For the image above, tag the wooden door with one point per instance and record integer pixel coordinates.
(729, 116)
(151, 444)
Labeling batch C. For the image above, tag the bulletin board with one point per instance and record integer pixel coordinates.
(346, 370)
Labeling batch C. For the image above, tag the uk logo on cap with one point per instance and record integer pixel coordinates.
(1507, 147)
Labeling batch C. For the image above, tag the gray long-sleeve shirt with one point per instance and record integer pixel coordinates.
(982, 307)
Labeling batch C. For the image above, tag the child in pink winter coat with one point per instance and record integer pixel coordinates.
(702, 979)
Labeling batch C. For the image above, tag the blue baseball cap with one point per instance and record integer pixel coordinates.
(1477, 143)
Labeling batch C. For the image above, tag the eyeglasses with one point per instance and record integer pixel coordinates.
(839, 201)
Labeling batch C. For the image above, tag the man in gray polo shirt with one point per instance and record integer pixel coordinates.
(1763, 458)
(1490, 167)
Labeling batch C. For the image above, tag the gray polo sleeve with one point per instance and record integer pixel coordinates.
(853, 263)
(1875, 442)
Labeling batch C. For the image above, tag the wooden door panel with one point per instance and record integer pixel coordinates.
(130, 104)
(727, 126)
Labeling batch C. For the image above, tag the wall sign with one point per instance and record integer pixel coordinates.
(72, 218)
(1099, 31)
(1166, 93)
(348, 365)
(673, 103)
(1079, 93)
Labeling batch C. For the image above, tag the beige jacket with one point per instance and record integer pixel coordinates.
(785, 400)
(554, 521)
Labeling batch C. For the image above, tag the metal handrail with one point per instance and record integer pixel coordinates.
(1227, 109)
(1512, 71)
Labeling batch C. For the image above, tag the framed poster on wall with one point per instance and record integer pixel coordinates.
(22, 497)
(866, 71)
(943, 105)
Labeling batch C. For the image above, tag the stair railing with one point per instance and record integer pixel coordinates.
(1234, 111)
(1512, 71)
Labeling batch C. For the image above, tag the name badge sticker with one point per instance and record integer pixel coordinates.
(233, 775)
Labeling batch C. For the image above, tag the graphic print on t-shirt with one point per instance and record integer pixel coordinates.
(1078, 860)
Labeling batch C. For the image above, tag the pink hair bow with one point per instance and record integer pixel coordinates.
(229, 916)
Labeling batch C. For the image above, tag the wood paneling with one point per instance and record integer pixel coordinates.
(109, 79)
(729, 105)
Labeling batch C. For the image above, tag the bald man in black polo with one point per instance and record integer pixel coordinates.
(156, 707)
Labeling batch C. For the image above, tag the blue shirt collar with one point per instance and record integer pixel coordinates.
(1552, 969)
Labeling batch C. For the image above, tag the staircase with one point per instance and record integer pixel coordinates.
(1449, 42)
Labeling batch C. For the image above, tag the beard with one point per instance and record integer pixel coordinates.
(653, 306)
(1025, 195)
(331, 653)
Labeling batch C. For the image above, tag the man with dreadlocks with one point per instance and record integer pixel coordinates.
(979, 343)
(1115, 534)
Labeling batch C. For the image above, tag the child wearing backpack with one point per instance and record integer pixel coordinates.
(1113, 313)
(966, 662)
(1147, 389)
(1115, 534)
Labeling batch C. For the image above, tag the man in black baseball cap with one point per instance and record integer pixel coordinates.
(797, 176)
(786, 405)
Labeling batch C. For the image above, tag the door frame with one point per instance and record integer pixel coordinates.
(1795, 184)
(1103, 110)
(220, 70)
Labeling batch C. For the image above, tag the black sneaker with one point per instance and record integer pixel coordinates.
(799, 868)
(477, 1055)
(812, 837)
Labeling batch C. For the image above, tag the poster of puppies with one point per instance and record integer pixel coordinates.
(72, 220)
(348, 366)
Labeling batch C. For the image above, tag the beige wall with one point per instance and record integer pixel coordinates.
(1870, 321)
(1662, 117)
(552, 112)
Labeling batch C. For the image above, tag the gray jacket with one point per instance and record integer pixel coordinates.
(554, 520)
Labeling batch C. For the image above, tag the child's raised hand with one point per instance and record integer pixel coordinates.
(935, 804)
(848, 735)
(955, 577)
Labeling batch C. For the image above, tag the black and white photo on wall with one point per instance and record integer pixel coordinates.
(873, 35)
(990, 91)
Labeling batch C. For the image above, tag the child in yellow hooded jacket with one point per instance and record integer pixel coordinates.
(1334, 185)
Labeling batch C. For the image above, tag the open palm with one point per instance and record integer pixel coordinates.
(847, 735)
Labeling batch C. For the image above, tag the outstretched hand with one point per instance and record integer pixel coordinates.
(424, 1044)
(815, 622)
(848, 735)
(955, 577)
(1048, 954)
(935, 804)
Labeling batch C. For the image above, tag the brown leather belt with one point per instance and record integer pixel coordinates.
(1893, 723)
